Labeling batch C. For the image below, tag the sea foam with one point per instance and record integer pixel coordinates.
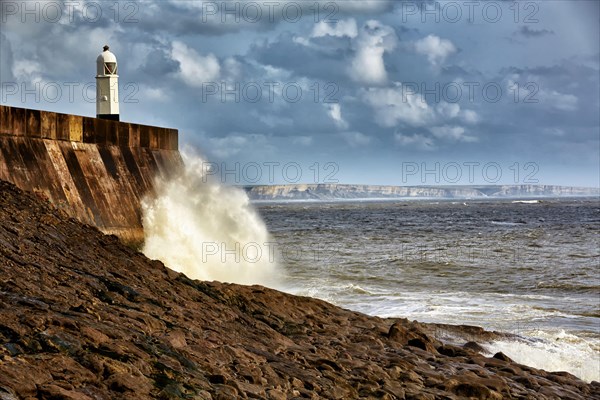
(554, 351)
(207, 230)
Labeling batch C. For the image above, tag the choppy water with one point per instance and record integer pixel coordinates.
(527, 268)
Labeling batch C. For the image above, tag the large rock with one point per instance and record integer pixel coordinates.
(84, 317)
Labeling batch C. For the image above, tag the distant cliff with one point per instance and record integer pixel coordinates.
(345, 192)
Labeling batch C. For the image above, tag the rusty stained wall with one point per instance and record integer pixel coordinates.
(98, 171)
(75, 128)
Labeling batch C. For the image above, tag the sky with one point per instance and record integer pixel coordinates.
(358, 92)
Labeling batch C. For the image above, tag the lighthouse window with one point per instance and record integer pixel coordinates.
(110, 68)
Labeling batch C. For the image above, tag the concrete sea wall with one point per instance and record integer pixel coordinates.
(97, 171)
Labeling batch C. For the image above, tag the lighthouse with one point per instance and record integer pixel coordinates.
(107, 86)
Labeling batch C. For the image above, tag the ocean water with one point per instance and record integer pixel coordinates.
(524, 267)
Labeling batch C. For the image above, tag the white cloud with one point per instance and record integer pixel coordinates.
(435, 48)
(531, 93)
(302, 140)
(373, 40)
(195, 69)
(188, 5)
(470, 116)
(301, 40)
(554, 131)
(453, 133)
(560, 101)
(238, 145)
(356, 139)
(395, 105)
(335, 112)
(227, 146)
(448, 110)
(343, 27)
(232, 68)
(273, 120)
(27, 70)
(416, 140)
(152, 93)
(401, 105)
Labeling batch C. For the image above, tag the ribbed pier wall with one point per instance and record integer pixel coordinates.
(98, 171)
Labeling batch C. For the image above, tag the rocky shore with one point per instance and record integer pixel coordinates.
(84, 317)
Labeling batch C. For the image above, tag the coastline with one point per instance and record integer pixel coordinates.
(86, 317)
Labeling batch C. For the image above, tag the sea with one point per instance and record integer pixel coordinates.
(527, 268)
(530, 268)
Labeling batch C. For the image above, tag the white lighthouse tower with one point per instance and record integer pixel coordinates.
(107, 86)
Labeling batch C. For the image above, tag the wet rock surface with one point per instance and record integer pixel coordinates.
(84, 317)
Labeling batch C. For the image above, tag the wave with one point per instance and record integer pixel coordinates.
(506, 223)
(207, 230)
(566, 286)
(554, 351)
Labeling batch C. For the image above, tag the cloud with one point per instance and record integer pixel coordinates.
(360, 7)
(557, 100)
(168, 62)
(302, 140)
(335, 112)
(341, 28)
(158, 62)
(554, 131)
(401, 107)
(273, 120)
(396, 105)
(416, 140)
(435, 48)
(448, 110)
(532, 93)
(195, 69)
(355, 139)
(232, 68)
(453, 133)
(217, 18)
(325, 58)
(6, 60)
(27, 70)
(153, 93)
(470, 116)
(234, 144)
(373, 40)
(533, 33)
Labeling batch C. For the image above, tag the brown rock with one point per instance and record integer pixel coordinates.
(176, 339)
(55, 392)
(502, 356)
(81, 315)
(475, 347)
(123, 382)
(96, 337)
(410, 335)
(276, 394)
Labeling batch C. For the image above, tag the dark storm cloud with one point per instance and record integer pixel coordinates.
(6, 60)
(458, 71)
(225, 17)
(159, 63)
(533, 33)
(544, 108)
(325, 58)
